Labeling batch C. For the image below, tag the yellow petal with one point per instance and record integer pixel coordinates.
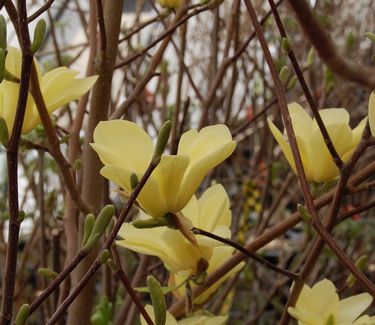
(169, 174)
(167, 244)
(333, 116)
(206, 149)
(150, 311)
(13, 62)
(60, 87)
(191, 211)
(150, 198)
(301, 120)
(305, 317)
(356, 137)
(203, 320)
(371, 112)
(351, 307)
(322, 164)
(321, 299)
(127, 140)
(214, 208)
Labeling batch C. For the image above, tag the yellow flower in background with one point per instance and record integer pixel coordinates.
(211, 213)
(317, 161)
(193, 320)
(171, 4)
(220, 254)
(59, 87)
(124, 148)
(371, 113)
(320, 305)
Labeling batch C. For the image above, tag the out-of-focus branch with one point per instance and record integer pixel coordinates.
(327, 49)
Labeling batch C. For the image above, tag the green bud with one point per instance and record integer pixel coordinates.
(284, 72)
(110, 226)
(285, 44)
(158, 300)
(22, 314)
(310, 58)
(21, 216)
(360, 264)
(133, 180)
(101, 224)
(104, 256)
(162, 140)
(329, 79)
(47, 273)
(2, 64)
(87, 228)
(111, 264)
(77, 165)
(150, 223)
(370, 36)
(305, 215)
(4, 133)
(39, 34)
(39, 130)
(3, 34)
(64, 139)
(292, 82)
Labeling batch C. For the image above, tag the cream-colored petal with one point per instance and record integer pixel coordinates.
(321, 299)
(169, 175)
(127, 140)
(186, 141)
(150, 198)
(214, 208)
(150, 311)
(59, 87)
(204, 320)
(191, 211)
(109, 156)
(333, 116)
(200, 164)
(301, 120)
(167, 244)
(284, 145)
(351, 307)
(305, 317)
(371, 112)
(13, 62)
(356, 137)
(322, 164)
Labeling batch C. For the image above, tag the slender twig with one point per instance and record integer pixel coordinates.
(248, 253)
(109, 241)
(40, 11)
(12, 163)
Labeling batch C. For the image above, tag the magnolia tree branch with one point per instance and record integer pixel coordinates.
(9, 277)
(327, 50)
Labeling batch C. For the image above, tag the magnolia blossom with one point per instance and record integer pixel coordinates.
(320, 305)
(219, 255)
(59, 87)
(193, 320)
(124, 148)
(211, 213)
(371, 113)
(316, 159)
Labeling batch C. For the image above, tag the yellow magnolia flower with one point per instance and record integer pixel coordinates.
(320, 305)
(371, 113)
(220, 254)
(124, 148)
(59, 87)
(317, 161)
(211, 213)
(193, 320)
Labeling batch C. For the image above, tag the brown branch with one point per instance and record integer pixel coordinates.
(327, 50)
